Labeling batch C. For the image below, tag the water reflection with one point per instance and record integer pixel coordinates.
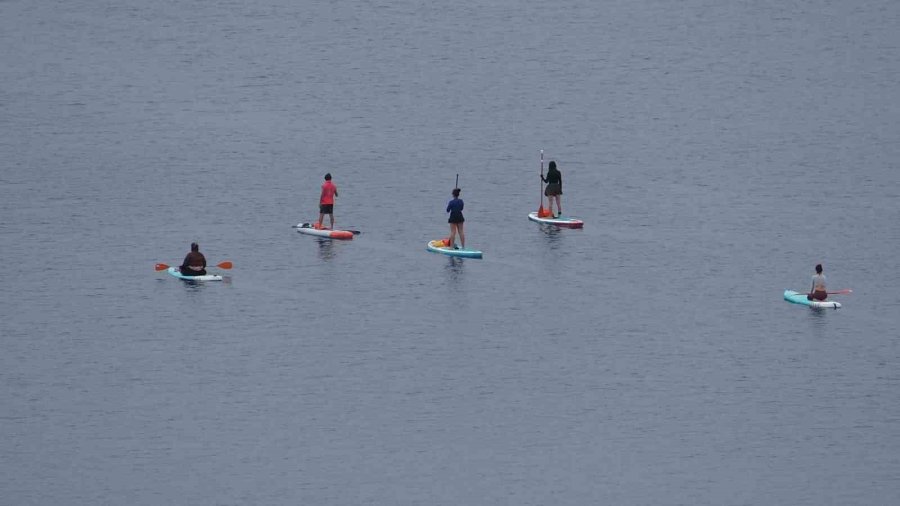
(454, 268)
(553, 234)
(326, 248)
(817, 318)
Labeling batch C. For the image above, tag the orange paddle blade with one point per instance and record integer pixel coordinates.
(161, 267)
(225, 265)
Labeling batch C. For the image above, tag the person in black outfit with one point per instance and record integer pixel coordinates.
(194, 263)
(554, 187)
(456, 220)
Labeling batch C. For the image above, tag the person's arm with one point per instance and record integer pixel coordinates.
(560, 182)
(543, 178)
(448, 206)
(335, 191)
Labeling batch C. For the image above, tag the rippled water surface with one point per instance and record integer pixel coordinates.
(716, 151)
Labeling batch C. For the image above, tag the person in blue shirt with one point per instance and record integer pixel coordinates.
(456, 220)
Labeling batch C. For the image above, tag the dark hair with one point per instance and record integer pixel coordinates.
(328, 177)
(552, 165)
(195, 246)
(456, 192)
(818, 268)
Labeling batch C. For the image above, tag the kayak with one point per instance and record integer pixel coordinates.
(306, 228)
(437, 246)
(559, 221)
(206, 277)
(800, 298)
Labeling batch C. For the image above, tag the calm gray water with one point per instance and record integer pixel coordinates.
(716, 150)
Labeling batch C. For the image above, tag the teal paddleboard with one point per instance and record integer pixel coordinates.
(437, 246)
(800, 298)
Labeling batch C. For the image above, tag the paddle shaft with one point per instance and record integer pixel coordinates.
(542, 182)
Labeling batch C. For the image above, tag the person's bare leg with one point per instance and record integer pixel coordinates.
(452, 239)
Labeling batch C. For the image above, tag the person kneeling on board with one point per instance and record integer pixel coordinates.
(194, 263)
(819, 290)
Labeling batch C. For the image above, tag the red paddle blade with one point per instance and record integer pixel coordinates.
(225, 265)
(161, 267)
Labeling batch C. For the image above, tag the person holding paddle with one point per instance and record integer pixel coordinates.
(456, 220)
(194, 263)
(326, 201)
(554, 187)
(818, 290)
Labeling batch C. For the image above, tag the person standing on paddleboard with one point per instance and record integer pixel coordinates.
(326, 201)
(456, 220)
(818, 291)
(194, 263)
(554, 187)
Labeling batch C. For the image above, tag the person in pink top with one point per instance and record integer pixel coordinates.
(326, 201)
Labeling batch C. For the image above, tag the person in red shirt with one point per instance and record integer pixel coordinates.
(326, 201)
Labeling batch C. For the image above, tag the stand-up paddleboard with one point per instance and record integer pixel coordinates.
(800, 298)
(437, 246)
(306, 228)
(206, 277)
(559, 221)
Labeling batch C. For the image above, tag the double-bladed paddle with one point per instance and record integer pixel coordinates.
(221, 265)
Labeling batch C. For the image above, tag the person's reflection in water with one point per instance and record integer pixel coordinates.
(818, 318)
(553, 235)
(326, 249)
(454, 268)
